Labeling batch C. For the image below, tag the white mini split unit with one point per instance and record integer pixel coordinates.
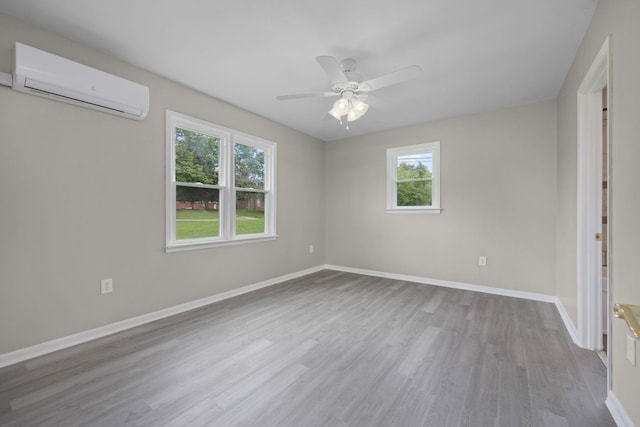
(44, 74)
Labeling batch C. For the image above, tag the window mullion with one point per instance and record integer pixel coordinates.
(232, 190)
(269, 225)
(170, 171)
(197, 185)
(228, 206)
(414, 180)
(171, 229)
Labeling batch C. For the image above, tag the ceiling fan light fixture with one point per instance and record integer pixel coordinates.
(352, 116)
(342, 105)
(350, 88)
(335, 113)
(340, 108)
(359, 106)
(357, 110)
(353, 108)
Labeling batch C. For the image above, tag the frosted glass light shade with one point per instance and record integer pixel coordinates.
(340, 108)
(357, 110)
(352, 108)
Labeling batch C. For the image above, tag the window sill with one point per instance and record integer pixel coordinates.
(414, 211)
(191, 246)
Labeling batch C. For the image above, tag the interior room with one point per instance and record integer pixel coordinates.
(344, 214)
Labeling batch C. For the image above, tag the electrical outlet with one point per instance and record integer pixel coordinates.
(106, 286)
(631, 350)
(310, 249)
(482, 261)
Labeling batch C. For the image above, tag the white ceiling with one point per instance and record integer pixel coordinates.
(476, 55)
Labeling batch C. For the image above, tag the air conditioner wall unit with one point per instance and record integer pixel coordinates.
(44, 74)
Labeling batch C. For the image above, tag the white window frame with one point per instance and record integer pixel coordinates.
(392, 177)
(226, 186)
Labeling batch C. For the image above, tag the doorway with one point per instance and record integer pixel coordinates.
(594, 207)
(604, 284)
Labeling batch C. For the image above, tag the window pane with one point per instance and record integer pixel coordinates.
(416, 193)
(197, 212)
(249, 212)
(197, 157)
(411, 166)
(249, 167)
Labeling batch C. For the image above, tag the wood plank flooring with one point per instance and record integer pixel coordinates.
(329, 349)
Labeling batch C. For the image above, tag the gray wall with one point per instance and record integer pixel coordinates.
(82, 198)
(619, 18)
(498, 197)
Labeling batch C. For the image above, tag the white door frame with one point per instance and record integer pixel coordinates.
(589, 255)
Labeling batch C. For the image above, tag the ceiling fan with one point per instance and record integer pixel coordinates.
(351, 92)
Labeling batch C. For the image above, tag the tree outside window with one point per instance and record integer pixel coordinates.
(220, 184)
(412, 178)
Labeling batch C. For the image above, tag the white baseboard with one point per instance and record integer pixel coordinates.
(447, 284)
(27, 353)
(471, 287)
(617, 411)
(81, 337)
(568, 323)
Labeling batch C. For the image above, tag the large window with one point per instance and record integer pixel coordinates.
(220, 185)
(413, 178)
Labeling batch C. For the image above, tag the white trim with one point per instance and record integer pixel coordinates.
(392, 177)
(269, 190)
(448, 284)
(571, 329)
(26, 353)
(225, 186)
(6, 79)
(589, 276)
(617, 411)
(566, 319)
(192, 245)
(413, 211)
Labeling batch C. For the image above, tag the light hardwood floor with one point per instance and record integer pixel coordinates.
(328, 349)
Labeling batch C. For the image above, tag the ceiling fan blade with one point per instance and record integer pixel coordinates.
(393, 78)
(306, 95)
(332, 67)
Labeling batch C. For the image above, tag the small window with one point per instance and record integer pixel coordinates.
(220, 185)
(413, 180)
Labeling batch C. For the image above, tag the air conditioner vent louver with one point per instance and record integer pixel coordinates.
(44, 74)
